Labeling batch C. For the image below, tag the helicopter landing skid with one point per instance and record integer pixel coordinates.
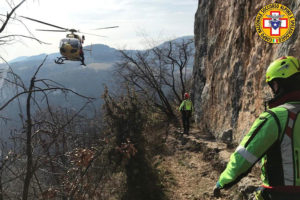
(60, 60)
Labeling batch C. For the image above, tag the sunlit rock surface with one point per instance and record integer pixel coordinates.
(230, 63)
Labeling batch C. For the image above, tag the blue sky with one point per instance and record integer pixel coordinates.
(139, 21)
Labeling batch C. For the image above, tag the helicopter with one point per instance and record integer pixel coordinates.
(70, 47)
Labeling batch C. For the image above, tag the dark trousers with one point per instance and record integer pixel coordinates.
(186, 121)
(82, 57)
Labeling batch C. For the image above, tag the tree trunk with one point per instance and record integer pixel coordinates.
(29, 169)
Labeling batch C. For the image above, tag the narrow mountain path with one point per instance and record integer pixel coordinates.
(192, 165)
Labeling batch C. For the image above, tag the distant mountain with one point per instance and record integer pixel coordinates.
(99, 53)
(87, 80)
(177, 40)
(19, 59)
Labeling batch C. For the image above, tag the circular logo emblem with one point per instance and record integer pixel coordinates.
(275, 23)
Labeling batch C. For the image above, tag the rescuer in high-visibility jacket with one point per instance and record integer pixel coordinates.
(186, 109)
(274, 138)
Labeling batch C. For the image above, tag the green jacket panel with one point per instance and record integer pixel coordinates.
(236, 166)
(262, 135)
(282, 115)
(186, 105)
(296, 144)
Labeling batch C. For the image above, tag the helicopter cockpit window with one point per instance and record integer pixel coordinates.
(73, 42)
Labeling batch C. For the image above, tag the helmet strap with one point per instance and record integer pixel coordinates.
(274, 85)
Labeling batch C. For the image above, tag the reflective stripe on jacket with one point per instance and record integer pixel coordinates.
(278, 150)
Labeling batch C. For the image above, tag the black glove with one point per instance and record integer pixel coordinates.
(217, 190)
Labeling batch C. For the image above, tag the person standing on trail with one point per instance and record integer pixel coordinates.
(274, 138)
(186, 109)
(81, 53)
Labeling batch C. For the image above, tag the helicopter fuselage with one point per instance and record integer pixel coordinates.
(71, 47)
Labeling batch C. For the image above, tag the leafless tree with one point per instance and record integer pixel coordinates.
(56, 147)
(45, 87)
(9, 15)
(159, 72)
(127, 118)
(72, 161)
(6, 39)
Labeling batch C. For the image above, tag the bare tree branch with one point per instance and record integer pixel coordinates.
(23, 36)
(9, 15)
(158, 72)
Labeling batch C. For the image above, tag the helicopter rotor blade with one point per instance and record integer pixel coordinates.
(93, 34)
(35, 20)
(107, 27)
(51, 30)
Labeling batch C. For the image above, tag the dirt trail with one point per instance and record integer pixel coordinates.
(192, 166)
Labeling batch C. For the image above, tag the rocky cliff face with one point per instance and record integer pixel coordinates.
(230, 63)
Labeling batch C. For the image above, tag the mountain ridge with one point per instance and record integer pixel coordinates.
(104, 49)
(87, 81)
